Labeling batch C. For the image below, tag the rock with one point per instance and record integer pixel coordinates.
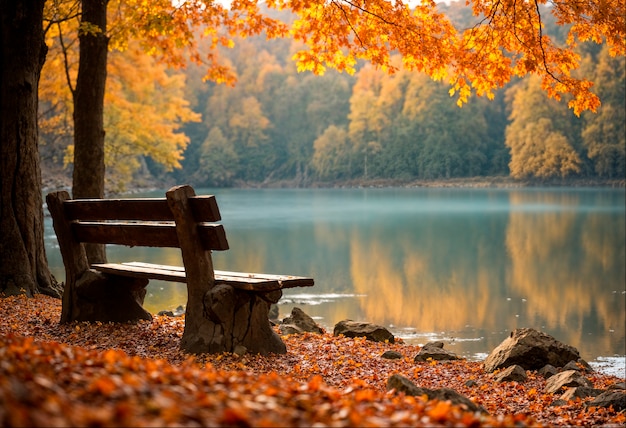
(287, 329)
(303, 322)
(373, 332)
(402, 384)
(392, 355)
(514, 373)
(615, 399)
(580, 392)
(530, 349)
(567, 378)
(547, 371)
(580, 365)
(558, 402)
(434, 351)
(471, 383)
(178, 312)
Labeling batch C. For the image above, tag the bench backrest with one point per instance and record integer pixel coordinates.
(180, 220)
(146, 222)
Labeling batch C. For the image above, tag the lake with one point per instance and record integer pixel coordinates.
(465, 266)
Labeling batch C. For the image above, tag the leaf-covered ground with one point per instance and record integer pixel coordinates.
(134, 375)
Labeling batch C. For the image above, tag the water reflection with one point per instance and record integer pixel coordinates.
(463, 265)
(570, 262)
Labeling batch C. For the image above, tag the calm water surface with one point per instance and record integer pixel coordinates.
(458, 265)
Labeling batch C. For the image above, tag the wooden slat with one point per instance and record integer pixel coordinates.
(240, 280)
(177, 274)
(286, 281)
(141, 272)
(146, 234)
(204, 209)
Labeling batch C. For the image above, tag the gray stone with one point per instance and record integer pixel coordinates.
(615, 399)
(512, 374)
(580, 392)
(434, 351)
(404, 385)
(547, 371)
(303, 321)
(373, 332)
(471, 383)
(580, 365)
(392, 355)
(567, 378)
(530, 349)
(287, 329)
(178, 312)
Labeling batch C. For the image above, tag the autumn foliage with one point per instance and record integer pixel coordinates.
(134, 375)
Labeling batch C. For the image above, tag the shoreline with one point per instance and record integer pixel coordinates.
(503, 182)
(50, 184)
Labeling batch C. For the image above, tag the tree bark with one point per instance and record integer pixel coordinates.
(23, 264)
(88, 175)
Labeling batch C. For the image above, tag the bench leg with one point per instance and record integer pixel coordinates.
(233, 321)
(108, 298)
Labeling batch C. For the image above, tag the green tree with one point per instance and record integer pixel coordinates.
(332, 154)
(219, 162)
(540, 135)
(604, 133)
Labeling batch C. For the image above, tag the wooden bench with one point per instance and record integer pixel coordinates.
(226, 311)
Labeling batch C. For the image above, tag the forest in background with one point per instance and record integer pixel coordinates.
(278, 125)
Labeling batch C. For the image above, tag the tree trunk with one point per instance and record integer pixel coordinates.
(23, 265)
(88, 176)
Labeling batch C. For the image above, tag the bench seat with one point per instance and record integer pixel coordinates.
(240, 280)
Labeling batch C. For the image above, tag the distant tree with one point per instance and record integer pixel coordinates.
(332, 154)
(604, 133)
(219, 162)
(539, 135)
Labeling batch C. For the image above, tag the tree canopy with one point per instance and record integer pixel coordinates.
(508, 40)
(277, 124)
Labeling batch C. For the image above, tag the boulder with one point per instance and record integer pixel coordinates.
(178, 312)
(567, 378)
(287, 329)
(392, 355)
(404, 385)
(615, 399)
(471, 383)
(434, 351)
(580, 392)
(302, 322)
(530, 349)
(548, 371)
(580, 365)
(373, 332)
(512, 374)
